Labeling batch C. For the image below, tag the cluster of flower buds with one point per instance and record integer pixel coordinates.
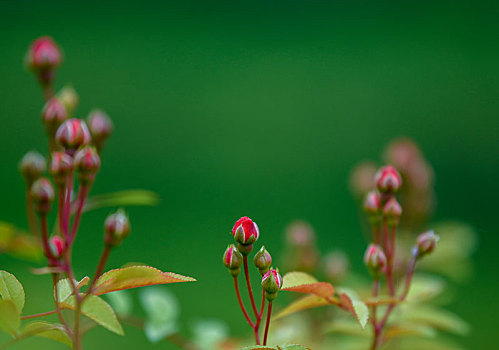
(233, 260)
(43, 195)
(271, 284)
(53, 115)
(32, 166)
(100, 126)
(43, 57)
(116, 228)
(87, 162)
(245, 232)
(375, 260)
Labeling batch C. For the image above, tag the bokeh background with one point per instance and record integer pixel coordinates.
(259, 108)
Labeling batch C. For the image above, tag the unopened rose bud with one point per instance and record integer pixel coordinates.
(69, 97)
(427, 242)
(388, 179)
(43, 54)
(56, 245)
(271, 284)
(375, 260)
(100, 126)
(233, 260)
(42, 194)
(61, 166)
(53, 115)
(372, 206)
(262, 260)
(392, 211)
(117, 228)
(32, 166)
(245, 233)
(87, 162)
(72, 134)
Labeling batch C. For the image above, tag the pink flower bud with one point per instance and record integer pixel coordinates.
(388, 179)
(375, 260)
(233, 260)
(72, 134)
(42, 194)
(262, 260)
(392, 211)
(271, 284)
(53, 115)
(87, 162)
(32, 166)
(427, 242)
(372, 203)
(43, 54)
(56, 246)
(61, 167)
(245, 231)
(117, 228)
(100, 126)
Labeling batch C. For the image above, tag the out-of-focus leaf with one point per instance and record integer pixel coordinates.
(307, 302)
(133, 277)
(65, 289)
(6, 232)
(381, 300)
(302, 282)
(12, 289)
(425, 287)
(46, 270)
(417, 343)
(292, 347)
(259, 347)
(97, 310)
(346, 326)
(409, 330)
(121, 198)
(208, 334)
(356, 307)
(47, 330)
(9, 317)
(121, 302)
(437, 318)
(25, 247)
(162, 310)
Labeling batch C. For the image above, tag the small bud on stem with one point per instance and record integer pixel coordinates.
(426, 242)
(262, 260)
(43, 194)
(61, 166)
(375, 260)
(100, 126)
(117, 228)
(87, 162)
(72, 134)
(271, 284)
(32, 166)
(233, 260)
(388, 179)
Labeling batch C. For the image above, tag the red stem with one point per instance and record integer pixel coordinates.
(99, 269)
(267, 324)
(42, 314)
(248, 285)
(388, 253)
(67, 205)
(236, 286)
(81, 202)
(45, 237)
(30, 213)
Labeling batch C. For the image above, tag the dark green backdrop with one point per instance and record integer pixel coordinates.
(260, 108)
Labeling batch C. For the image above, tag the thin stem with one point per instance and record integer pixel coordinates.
(42, 314)
(238, 293)
(81, 201)
(60, 212)
(248, 285)
(375, 328)
(45, 237)
(388, 253)
(267, 324)
(262, 306)
(76, 329)
(30, 214)
(100, 267)
(66, 214)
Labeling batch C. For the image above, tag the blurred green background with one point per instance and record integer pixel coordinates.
(259, 108)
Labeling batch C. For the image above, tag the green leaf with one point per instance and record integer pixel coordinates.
(259, 347)
(134, 277)
(162, 310)
(12, 289)
(302, 282)
(307, 302)
(52, 331)
(425, 287)
(65, 288)
(409, 330)
(121, 302)
(292, 347)
(356, 307)
(9, 317)
(122, 198)
(97, 310)
(208, 334)
(346, 326)
(437, 318)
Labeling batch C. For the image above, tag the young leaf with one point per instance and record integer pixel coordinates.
(307, 302)
(437, 318)
(292, 347)
(98, 310)
(133, 277)
(9, 317)
(47, 330)
(12, 289)
(302, 282)
(356, 307)
(65, 289)
(122, 198)
(162, 311)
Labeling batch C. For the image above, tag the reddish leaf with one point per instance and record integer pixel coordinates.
(304, 283)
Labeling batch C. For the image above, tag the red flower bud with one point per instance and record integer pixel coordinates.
(69, 97)
(43, 194)
(32, 166)
(117, 228)
(61, 167)
(53, 115)
(233, 260)
(72, 134)
(372, 205)
(427, 242)
(100, 126)
(56, 246)
(87, 162)
(43, 54)
(392, 211)
(271, 284)
(262, 260)
(245, 231)
(388, 179)
(375, 260)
